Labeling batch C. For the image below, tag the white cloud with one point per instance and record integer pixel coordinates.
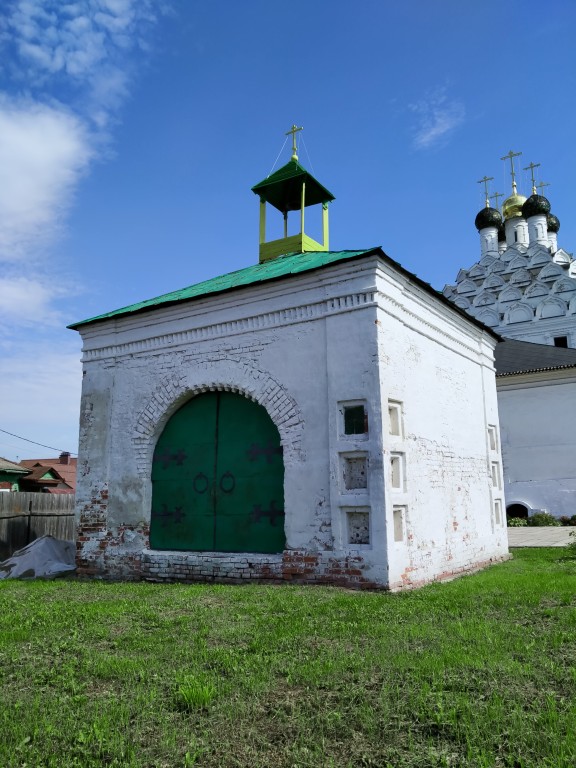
(40, 396)
(28, 301)
(77, 40)
(81, 49)
(69, 66)
(43, 152)
(438, 118)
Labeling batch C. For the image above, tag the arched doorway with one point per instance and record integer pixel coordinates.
(218, 478)
(516, 510)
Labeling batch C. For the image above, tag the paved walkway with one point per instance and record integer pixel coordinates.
(540, 537)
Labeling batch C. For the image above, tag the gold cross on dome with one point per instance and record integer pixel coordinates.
(495, 196)
(542, 185)
(485, 181)
(531, 169)
(510, 157)
(294, 130)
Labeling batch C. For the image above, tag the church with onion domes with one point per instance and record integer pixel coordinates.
(523, 286)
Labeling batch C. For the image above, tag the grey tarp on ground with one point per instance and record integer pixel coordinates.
(43, 558)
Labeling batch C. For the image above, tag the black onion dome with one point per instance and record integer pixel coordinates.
(553, 223)
(535, 205)
(501, 234)
(488, 217)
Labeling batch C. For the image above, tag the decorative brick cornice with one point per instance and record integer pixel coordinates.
(273, 319)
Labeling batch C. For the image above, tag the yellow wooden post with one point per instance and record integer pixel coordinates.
(302, 208)
(262, 220)
(325, 225)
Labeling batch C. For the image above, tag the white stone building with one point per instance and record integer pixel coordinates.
(322, 416)
(524, 287)
(537, 405)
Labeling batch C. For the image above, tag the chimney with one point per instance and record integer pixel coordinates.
(64, 457)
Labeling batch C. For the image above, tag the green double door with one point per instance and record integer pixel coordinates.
(218, 478)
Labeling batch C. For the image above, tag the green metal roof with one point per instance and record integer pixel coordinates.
(283, 189)
(283, 266)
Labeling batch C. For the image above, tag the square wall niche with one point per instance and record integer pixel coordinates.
(353, 419)
(357, 526)
(354, 471)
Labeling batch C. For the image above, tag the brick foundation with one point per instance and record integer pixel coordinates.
(124, 554)
(289, 566)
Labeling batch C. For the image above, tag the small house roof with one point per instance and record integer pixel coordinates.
(66, 471)
(44, 474)
(10, 466)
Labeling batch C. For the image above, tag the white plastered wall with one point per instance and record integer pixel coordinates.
(538, 424)
(441, 370)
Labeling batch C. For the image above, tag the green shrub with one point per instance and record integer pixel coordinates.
(517, 522)
(571, 547)
(542, 518)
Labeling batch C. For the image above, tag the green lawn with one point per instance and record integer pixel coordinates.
(480, 671)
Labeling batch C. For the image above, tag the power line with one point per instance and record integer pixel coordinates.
(60, 450)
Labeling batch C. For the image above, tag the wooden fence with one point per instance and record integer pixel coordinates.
(27, 516)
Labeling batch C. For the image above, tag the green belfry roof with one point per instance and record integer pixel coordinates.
(283, 266)
(283, 189)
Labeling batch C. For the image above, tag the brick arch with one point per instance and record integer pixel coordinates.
(175, 389)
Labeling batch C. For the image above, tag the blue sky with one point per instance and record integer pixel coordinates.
(131, 132)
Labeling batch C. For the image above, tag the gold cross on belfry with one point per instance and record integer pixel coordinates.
(294, 130)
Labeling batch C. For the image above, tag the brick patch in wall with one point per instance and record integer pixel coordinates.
(296, 566)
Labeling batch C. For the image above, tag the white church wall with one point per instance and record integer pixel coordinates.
(439, 369)
(538, 423)
(353, 380)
